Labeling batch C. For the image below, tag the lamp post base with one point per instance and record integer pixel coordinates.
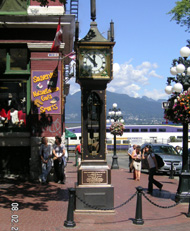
(183, 191)
(114, 162)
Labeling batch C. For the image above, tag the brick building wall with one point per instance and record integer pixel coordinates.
(35, 33)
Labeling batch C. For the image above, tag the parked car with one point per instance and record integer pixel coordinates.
(169, 154)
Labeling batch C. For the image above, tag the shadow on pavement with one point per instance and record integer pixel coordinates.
(34, 196)
(164, 194)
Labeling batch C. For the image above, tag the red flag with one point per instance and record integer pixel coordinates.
(72, 56)
(58, 38)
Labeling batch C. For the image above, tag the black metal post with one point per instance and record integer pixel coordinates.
(76, 31)
(171, 171)
(184, 180)
(70, 212)
(115, 116)
(76, 158)
(138, 216)
(114, 157)
(185, 146)
(112, 31)
(188, 214)
(93, 10)
(68, 148)
(183, 79)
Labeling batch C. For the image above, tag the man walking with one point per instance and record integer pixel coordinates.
(152, 169)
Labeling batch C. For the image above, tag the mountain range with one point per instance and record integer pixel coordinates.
(134, 110)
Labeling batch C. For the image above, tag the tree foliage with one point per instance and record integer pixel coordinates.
(46, 2)
(181, 13)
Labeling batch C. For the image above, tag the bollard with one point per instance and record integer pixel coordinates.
(138, 217)
(70, 212)
(76, 158)
(188, 214)
(171, 171)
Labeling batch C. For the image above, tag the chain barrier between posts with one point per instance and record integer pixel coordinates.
(97, 208)
(165, 207)
(138, 219)
(127, 201)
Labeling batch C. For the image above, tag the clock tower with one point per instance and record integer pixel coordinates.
(94, 70)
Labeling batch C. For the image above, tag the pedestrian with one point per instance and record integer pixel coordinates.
(46, 159)
(59, 160)
(130, 150)
(179, 150)
(152, 168)
(78, 154)
(136, 156)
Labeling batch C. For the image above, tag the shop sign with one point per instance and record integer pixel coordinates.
(53, 55)
(45, 98)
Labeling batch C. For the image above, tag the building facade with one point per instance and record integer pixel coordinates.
(32, 80)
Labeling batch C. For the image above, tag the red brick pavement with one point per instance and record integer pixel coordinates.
(44, 207)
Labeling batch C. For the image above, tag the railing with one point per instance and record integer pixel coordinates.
(74, 5)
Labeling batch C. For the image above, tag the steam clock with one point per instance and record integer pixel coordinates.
(94, 71)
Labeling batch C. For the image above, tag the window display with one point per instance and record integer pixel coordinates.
(13, 104)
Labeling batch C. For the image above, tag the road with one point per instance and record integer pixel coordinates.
(123, 160)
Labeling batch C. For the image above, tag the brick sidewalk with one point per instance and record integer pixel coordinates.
(44, 207)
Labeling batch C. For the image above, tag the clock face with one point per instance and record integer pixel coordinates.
(95, 61)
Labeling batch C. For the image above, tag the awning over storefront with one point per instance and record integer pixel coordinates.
(69, 134)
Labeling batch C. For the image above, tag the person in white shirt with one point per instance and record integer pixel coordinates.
(136, 156)
(59, 160)
(152, 169)
(131, 149)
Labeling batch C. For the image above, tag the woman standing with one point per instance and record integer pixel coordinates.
(45, 154)
(59, 160)
(152, 169)
(136, 156)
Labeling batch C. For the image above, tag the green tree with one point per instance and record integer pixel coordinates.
(46, 2)
(172, 139)
(181, 13)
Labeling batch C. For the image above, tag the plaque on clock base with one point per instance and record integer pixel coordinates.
(94, 190)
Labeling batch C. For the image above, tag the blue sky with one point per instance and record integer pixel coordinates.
(146, 43)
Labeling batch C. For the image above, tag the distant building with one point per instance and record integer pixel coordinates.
(32, 86)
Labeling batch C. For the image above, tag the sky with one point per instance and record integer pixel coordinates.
(146, 43)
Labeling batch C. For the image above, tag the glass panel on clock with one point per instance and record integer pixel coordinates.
(93, 105)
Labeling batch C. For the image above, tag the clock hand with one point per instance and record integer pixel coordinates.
(94, 57)
(92, 61)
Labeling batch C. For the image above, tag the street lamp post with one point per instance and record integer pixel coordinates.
(181, 90)
(114, 116)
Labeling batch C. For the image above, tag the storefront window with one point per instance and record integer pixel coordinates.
(14, 60)
(18, 59)
(2, 60)
(13, 105)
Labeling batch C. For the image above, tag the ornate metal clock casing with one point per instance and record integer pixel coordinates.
(94, 61)
(94, 57)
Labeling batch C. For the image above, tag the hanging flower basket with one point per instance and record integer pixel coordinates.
(179, 110)
(117, 128)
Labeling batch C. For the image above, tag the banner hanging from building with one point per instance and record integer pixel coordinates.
(46, 98)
